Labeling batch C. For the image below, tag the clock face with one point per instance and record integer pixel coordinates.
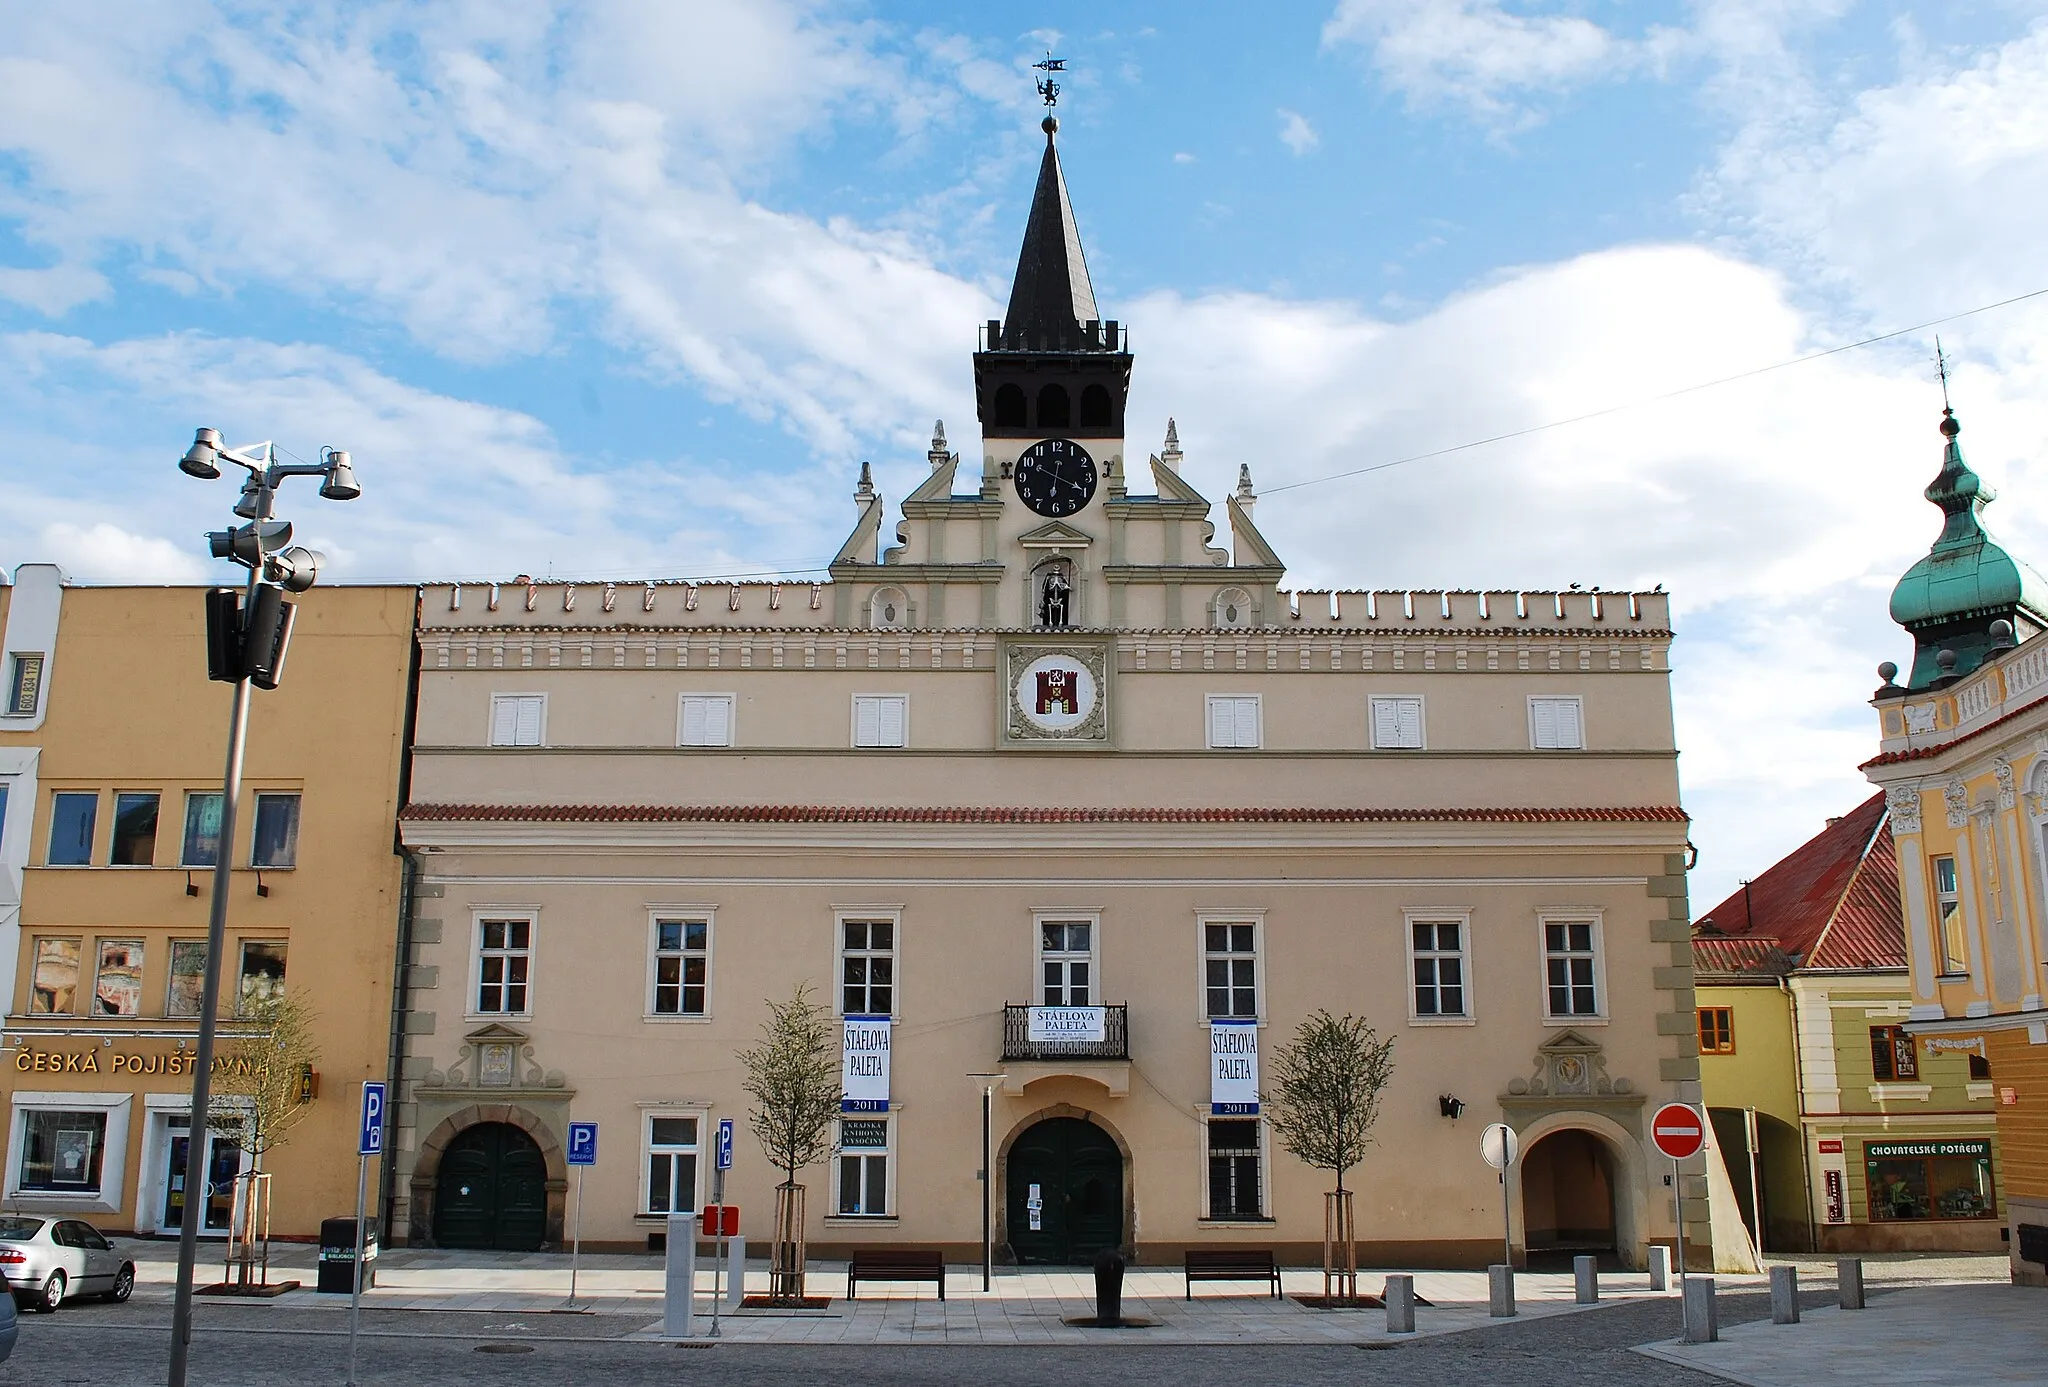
(1055, 477)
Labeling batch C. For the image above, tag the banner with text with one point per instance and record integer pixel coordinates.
(1234, 1068)
(864, 1065)
(1066, 1023)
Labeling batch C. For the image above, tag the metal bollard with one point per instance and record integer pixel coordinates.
(1500, 1292)
(735, 1272)
(1702, 1324)
(1586, 1280)
(1784, 1295)
(1400, 1298)
(1849, 1282)
(679, 1298)
(1660, 1268)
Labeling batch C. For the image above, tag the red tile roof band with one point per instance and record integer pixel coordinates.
(884, 814)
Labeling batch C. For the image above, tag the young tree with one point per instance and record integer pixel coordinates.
(1326, 1091)
(259, 1096)
(793, 1078)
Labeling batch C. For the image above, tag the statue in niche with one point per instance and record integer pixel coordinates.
(1055, 595)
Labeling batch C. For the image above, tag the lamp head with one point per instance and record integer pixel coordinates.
(199, 458)
(250, 504)
(296, 569)
(340, 483)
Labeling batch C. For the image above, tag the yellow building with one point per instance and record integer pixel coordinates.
(1963, 762)
(1846, 1133)
(111, 747)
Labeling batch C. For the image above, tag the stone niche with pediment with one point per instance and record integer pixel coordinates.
(496, 1059)
(1570, 1074)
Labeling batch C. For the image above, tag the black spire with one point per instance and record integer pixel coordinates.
(1051, 297)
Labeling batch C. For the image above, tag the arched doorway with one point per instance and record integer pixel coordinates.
(1568, 1183)
(492, 1191)
(1065, 1196)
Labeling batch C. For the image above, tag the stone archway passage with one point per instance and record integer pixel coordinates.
(1075, 1173)
(492, 1191)
(1568, 1195)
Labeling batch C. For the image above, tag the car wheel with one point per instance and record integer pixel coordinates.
(52, 1294)
(124, 1284)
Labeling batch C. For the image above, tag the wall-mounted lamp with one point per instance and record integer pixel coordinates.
(1450, 1107)
(191, 886)
(262, 889)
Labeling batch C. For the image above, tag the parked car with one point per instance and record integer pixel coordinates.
(10, 1327)
(46, 1260)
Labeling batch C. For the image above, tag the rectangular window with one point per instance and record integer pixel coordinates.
(1556, 724)
(1717, 1030)
(24, 684)
(863, 1167)
(202, 829)
(61, 1152)
(682, 966)
(1397, 724)
(3, 811)
(704, 720)
(117, 982)
(1437, 950)
(53, 991)
(1893, 1054)
(671, 1164)
(518, 719)
(881, 719)
(1571, 968)
(73, 816)
(261, 978)
(1929, 1179)
(504, 952)
(135, 816)
(276, 840)
(1980, 1067)
(1234, 1168)
(867, 963)
(1234, 721)
(1230, 968)
(1948, 909)
(1066, 963)
(188, 978)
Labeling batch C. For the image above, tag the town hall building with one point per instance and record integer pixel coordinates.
(1052, 782)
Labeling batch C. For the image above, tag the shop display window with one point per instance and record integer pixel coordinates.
(1929, 1180)
(61, 1151)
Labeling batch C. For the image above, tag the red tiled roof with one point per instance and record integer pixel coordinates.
(1833, 902)
(1921, 753)
(887, 814)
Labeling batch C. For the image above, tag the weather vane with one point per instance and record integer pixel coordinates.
(1941, 365)
(1048, 88)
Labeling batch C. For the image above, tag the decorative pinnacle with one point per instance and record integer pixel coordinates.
(866, 488)
(938, 435)
(1244, 479)
(1172, 436)
(1950, 427)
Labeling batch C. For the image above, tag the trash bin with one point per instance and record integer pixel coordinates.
(338, 1256)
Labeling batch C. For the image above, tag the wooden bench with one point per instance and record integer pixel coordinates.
(1230, 1264)
(895, 1264)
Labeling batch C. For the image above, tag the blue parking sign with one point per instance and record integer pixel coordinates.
(582, 1143)
(725, 1143)
(370, 1140)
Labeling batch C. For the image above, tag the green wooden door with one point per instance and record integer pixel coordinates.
(1074, 1172)
(492, 1192)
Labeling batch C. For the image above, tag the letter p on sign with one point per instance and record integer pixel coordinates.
(371, 1141)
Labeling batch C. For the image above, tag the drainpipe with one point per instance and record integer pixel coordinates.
(1799, 1096)
(401, 966)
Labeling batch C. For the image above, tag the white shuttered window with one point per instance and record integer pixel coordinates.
(1397, 724)
(880, 719)
(705, 720)
(1233, 720)
(516, 719)
(1555, 724)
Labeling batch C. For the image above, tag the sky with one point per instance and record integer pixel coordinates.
(615, 289)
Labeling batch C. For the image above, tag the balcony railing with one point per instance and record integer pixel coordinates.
(1018, 1044)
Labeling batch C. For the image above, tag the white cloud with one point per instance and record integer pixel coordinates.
(1296, 133)
(1183, 157)
(103, 553)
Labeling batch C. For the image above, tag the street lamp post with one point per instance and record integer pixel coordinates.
(246, 634)
(988, 1084)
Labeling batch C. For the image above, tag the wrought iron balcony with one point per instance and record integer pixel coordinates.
(1018, 1044)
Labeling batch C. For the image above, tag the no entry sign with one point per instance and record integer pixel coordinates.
(1678, 1130)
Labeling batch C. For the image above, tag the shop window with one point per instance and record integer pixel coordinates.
(188, 978)
(61, 1151)
(117, 981)
(1234, 1168)
(260, 980)
(1571, 965)
(1397, 724)
(1230, 962)
(504, 955)
(53, 991)
(864, 1167)
(1717, 1030)
(1948, 909)
(1893, 1054)
(73, 817)
(202, 829)
(704, 720)
(135, 817)
(682, 967)
(1929, 1180)
(276, 840)
(1556, 724)
(671, 1164)
(518, 719)
(1437, 957)
(867, 967)
(1066, 962)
